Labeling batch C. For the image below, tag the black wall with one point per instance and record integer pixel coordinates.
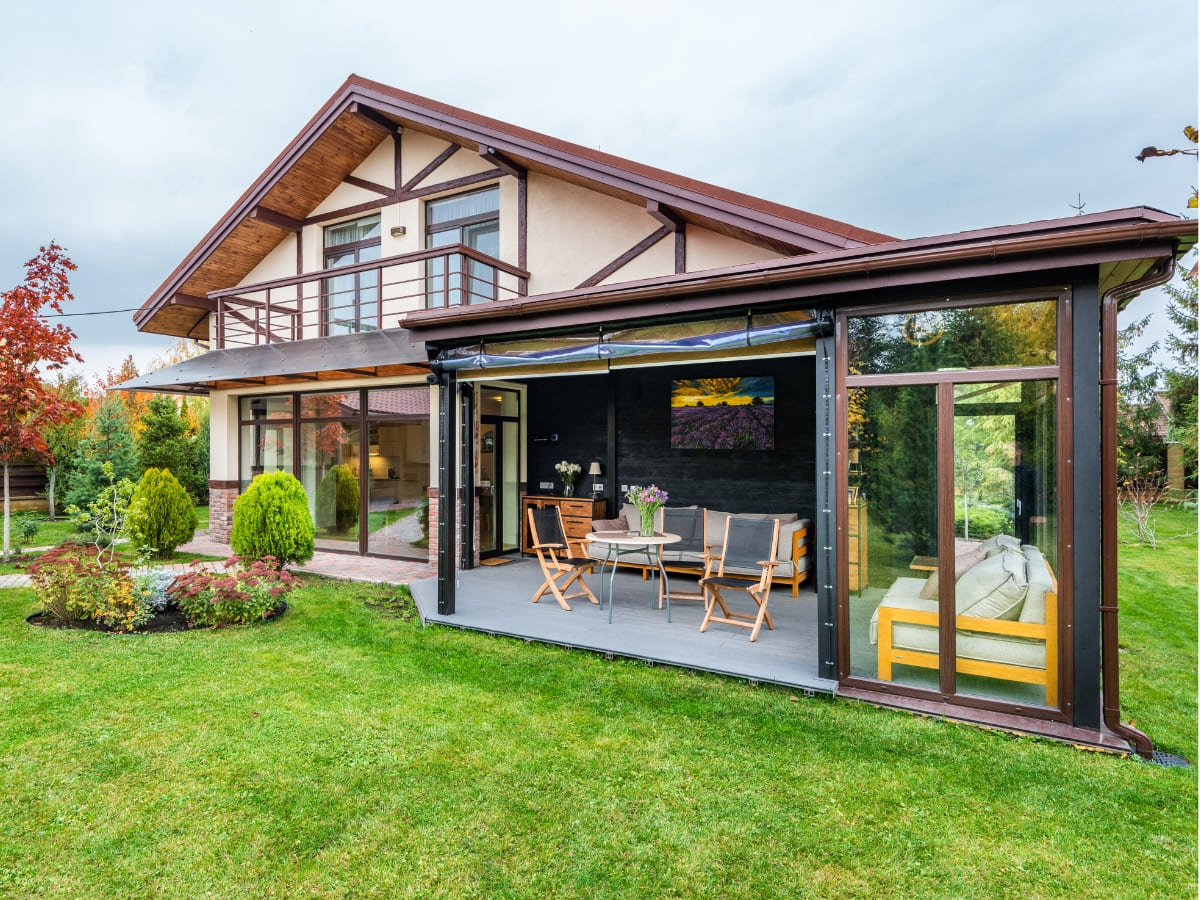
(576, 409)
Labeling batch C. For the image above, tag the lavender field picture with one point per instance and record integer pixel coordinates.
(723, 414)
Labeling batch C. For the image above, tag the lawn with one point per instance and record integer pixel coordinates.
(344, 751)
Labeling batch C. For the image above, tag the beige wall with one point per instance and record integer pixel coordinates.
(709, 250)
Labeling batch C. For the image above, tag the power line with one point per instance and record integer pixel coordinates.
(100, 312)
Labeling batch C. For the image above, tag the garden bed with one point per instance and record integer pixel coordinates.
(166, 622)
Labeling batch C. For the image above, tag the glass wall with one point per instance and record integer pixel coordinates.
(362, 457)
(952, 508)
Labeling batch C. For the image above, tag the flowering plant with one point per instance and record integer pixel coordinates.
(647, 500)
(568, 471)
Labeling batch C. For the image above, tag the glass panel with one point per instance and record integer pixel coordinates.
(350, 232)
(1014, 334)
(332, 405)
(329, 471)
(1006, 536)
(264, 448)
(489, 486)
(410, 402)
(484, 237)
(265, 407)
(892, 534)
(498, 402)
(462, 206)
(398, 461)
(510, 486)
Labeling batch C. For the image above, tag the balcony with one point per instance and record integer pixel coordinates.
(365, 296)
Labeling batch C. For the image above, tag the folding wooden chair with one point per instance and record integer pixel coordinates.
(748, 544)
(689, 525)
(554, 555)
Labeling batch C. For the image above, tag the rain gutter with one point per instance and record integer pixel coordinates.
(1109, 651)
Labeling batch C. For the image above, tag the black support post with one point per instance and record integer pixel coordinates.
(447, 507)
(466, 446)
(825, 540)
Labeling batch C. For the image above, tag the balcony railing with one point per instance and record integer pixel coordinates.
(361, 297)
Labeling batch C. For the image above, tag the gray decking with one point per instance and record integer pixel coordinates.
(496, 600)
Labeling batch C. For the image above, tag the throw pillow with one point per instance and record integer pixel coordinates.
(609, 525)
(1006, 596)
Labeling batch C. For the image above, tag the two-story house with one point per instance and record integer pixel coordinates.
(425, 310)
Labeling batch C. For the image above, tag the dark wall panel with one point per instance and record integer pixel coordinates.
(780, 480)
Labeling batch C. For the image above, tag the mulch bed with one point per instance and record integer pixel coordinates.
(166, 622)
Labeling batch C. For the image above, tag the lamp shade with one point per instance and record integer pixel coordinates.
(594, 468)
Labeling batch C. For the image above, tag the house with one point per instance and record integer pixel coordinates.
(433, 307)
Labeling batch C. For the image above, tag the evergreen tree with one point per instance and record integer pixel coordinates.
(62, 439)
(1182, 382)
(163, 442)
(198, 486)
(109, 439)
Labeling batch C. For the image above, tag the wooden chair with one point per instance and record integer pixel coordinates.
(689, 525)
(748, 544)
(554, 555)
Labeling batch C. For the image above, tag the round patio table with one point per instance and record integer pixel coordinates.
(623, 543)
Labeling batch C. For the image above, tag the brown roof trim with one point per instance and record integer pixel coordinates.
(778, 223)
(1050, 245)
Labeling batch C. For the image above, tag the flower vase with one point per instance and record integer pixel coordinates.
(647, 522)
(568, 489)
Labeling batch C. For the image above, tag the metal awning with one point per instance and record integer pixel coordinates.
(388, 352)
(614, 345)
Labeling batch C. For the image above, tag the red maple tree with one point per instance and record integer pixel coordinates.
(29, 348)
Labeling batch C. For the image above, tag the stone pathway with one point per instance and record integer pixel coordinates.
(345, 566)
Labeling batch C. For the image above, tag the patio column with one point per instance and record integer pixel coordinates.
(447, 509)
(826, 515)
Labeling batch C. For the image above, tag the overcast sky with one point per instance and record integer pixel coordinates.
(130, 128)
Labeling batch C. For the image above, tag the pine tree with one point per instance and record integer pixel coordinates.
(109, 439)
(163, 442)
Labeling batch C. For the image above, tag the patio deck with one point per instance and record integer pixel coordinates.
(496, 600)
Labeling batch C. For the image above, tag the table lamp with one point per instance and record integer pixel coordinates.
(594, 470)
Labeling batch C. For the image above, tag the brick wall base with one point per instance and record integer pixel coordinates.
(221, 495)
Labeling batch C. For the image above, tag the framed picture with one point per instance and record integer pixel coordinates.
(723, 413)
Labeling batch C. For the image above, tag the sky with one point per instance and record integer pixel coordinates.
(130, 128)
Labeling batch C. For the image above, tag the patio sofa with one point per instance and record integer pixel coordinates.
(1006, 617)
(791, 551)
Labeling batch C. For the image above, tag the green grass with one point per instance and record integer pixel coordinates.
(344, 751)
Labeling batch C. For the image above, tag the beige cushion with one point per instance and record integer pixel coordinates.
(998, 542)
(963, 562)
(783, 548)
(994, 589)
(1040, 583)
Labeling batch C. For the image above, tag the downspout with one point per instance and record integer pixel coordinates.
(1110, 654)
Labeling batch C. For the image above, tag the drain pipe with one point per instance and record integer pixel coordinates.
(1110, 653)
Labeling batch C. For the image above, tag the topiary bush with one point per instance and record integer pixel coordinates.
(271, 519)
(161, 515)
(337, 500)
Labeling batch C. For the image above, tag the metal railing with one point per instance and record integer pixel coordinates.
(361, 297)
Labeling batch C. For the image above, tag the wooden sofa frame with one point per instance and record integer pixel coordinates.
(1046, 632)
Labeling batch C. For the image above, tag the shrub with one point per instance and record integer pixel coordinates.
(153, 585)
(235, 597)
(337, 500)
(985, 522)
(161, 515)
(107, 515)
(25, 529)
(271, 519)
(74, 585)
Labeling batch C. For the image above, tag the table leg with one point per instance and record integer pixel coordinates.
(666, 584)
(611, 576)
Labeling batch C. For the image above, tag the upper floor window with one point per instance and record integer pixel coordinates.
(350, 302)
(472, 219)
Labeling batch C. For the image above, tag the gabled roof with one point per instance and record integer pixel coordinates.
(357, 117)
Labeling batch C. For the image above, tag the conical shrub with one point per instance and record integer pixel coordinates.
(271, 519)
(161, 515)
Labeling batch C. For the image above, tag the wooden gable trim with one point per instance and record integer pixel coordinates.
(376, 118)
(278, 219)
(632, 253)
(501, 162)
(368, 185)
(434, 165)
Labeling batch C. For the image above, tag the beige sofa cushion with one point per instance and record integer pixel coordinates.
(996, 543)
(963, 563)
(994, 588)
(1040, 582)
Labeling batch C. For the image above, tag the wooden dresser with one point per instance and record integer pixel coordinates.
(577, 515)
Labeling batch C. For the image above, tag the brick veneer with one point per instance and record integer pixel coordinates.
(221, 495)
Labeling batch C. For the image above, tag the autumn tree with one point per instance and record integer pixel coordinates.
(29, 348)
(135, 402)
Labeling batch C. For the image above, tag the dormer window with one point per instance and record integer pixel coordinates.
(350, 302)
(472, 219)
